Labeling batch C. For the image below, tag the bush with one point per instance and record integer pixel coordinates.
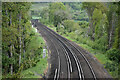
(70, 25)
(119, 71)
(83, 24)
(81, 39)
(72, 35)
(112, 67)
(113, 54)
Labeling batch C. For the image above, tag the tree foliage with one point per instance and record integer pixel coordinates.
(20, 45)
(70, 25)
(114, 55)
(95, 24)
(57, 13)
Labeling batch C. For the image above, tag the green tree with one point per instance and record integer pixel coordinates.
(70, 25)
(90, 7)
(117, 31)
(57, 13)
(14, 17)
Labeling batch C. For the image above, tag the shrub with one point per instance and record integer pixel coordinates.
(119, 71)
(113, 54)
(82, 39)
(70, 25)
(111, 66)
(83, 24)
(72, 35)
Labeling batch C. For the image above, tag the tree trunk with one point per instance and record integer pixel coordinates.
(91, 27)
(119, 26)
(10, 18)
(11, 65)
(112, 30)
(11, 54)
(6, 12)
(20, 52)
(23, 35)
(20, 38)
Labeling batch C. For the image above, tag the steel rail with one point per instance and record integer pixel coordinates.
(56, 76)
(76, 60)
(91, 69)
(81, 54)
(59, 64)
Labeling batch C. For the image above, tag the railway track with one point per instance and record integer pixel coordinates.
(62, 38)
(67, 54)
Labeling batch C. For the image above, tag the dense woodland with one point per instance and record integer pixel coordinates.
(21, 46)
(95, 25)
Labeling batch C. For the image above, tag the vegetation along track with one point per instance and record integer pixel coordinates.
(66, 58)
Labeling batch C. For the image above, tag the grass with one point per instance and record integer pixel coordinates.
(99, 54)
(36, 41)
(68, 38)
(101, 57)
(41, 66)
(51, 27)
(37, 71)
(35, 17)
